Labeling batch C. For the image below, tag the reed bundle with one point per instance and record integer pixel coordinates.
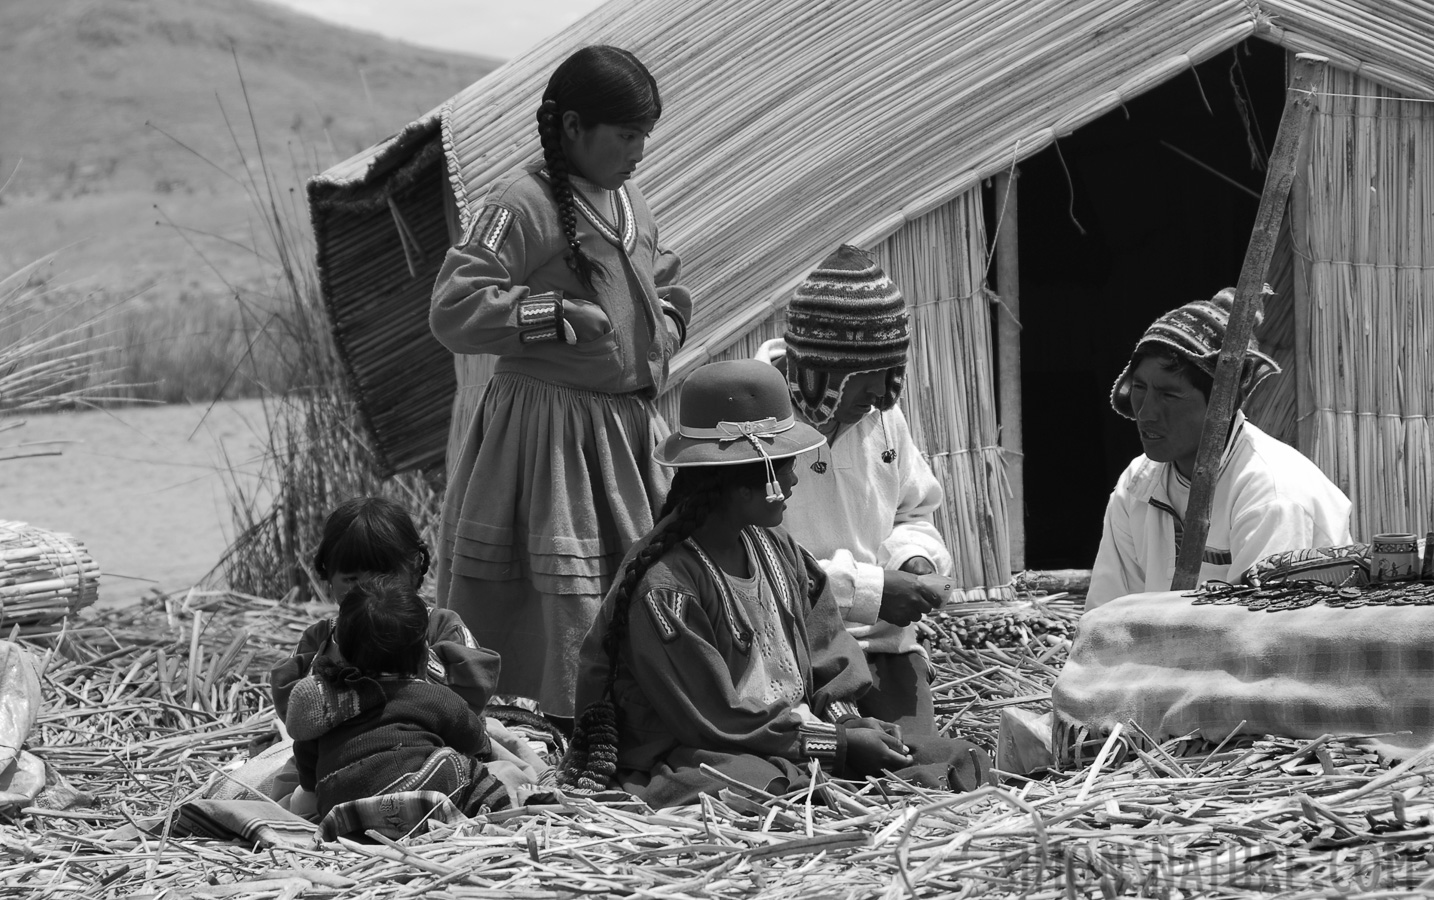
(44, 577)
(939, 262)
(148, 702)
(1272, 406)
(1366, 363)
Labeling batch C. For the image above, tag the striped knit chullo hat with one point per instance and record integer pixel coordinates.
(1196, 332)
(846, 317)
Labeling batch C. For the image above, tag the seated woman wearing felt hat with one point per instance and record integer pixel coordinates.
(718, 645)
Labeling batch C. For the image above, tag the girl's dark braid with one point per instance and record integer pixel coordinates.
(590, 762)
(550, 133)
(692, 507)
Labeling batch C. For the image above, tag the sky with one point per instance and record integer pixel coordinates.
(496, 28)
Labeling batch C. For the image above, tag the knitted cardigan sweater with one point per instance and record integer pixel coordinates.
(370, 732)
(455, 662)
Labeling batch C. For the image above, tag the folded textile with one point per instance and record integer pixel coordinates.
(394, 815)
(1339, 566)
(261, 823)
(1176, 667)
(20, 700)
(270, 774)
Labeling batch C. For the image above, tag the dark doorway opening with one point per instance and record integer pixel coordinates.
(1119, 223)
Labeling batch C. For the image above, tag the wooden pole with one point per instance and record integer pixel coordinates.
(1294, 125)
(1008, 362)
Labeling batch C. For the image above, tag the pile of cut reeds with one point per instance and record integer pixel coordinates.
(44, 577)
(147, 703)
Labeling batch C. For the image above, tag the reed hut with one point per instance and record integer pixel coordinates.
(1133, 135)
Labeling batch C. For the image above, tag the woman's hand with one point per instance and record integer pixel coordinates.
(587, 318)
(870, 750)
(890, 728)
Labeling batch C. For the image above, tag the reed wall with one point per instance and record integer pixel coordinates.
(1364, 235)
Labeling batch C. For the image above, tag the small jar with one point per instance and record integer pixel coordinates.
(1394, 557)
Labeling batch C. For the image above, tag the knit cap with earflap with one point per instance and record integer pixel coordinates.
(1195, 332)
(846, 317)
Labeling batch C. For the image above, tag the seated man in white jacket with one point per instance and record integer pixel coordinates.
(867, 496)
(1269, 497)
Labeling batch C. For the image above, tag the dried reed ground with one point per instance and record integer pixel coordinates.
(145, 705)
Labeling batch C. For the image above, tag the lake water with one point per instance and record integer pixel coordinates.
(143, 488)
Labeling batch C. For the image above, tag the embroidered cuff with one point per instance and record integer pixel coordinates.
(671, 312)
(540, 316)
(840, 710)
(818, 740)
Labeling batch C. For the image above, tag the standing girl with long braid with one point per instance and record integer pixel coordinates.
(561, 276)
(719, 645)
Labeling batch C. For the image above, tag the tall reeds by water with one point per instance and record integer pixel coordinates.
(51, 366)
(317, 453)
(1365, 354)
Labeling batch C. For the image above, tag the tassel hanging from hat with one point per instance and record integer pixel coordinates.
(774, 489)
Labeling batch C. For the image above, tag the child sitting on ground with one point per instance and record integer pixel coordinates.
(377, 724)
(374, 536)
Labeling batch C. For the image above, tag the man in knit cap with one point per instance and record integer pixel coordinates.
(868, 495)
(1268, 499)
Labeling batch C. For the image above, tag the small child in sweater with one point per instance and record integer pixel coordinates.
(379, 725)
(365, 537)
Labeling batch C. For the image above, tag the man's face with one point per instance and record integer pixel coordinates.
(861, 392)
(1169, 412)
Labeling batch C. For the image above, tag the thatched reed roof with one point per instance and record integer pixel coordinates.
(788, 127)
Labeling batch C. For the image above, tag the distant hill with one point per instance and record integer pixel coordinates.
(89, 89)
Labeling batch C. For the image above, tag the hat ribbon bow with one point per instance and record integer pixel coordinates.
(767, 429)
(726, 432)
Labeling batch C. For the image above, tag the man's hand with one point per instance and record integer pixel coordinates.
(904, 599)
(918, 565)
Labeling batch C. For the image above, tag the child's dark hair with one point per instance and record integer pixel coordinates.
(604, 86)
(382, 626)
(370, 534)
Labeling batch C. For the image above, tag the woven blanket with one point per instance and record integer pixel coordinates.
(1177, 664)
(396, 815)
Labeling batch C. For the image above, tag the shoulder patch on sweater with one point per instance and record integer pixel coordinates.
(665, 606)
(490, 228)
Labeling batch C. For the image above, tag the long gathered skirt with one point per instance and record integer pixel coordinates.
(551, 488)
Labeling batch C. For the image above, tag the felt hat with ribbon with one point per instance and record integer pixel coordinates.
(733, 412)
